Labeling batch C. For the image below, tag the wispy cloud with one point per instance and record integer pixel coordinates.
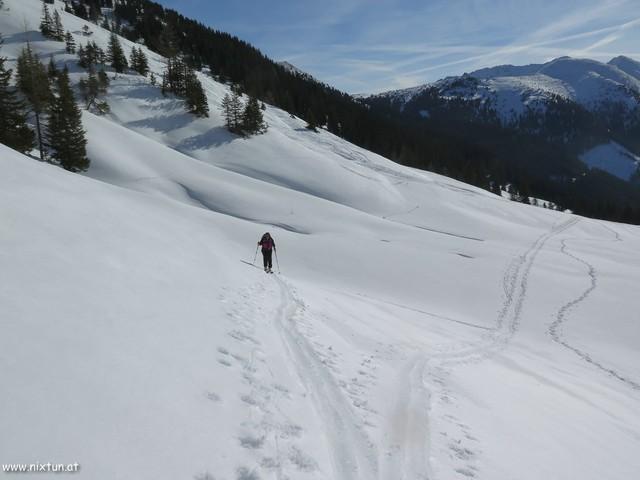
(375, 45)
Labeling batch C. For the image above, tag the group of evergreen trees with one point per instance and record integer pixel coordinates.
(180, 79)
(14, 130)
(49, 97)
(51, 26)
(92, 87)
(485, 155)
(139, 62)
(243, 119)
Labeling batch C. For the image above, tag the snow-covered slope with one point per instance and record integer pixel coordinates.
(627, 65)
(293, 69)
(612, 158)
(510, 89)
(421, 327)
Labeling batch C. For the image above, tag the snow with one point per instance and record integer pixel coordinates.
(627, 65)
(420, 327)
(291, 68)
(514, 90)
(612, 158)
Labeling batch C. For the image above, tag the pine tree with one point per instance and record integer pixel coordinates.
(143, 63)
(58, 30)
(226, 111)
(52, 71)
(152, 79)
(174, 77)
(90, 88)
(252, 119)
(46, 23)
(65, 133)
(91, 55)
(232, 110)
(139, 61)
(115, 54)
(14, 131)
(33, 82)
(196, 99)
(103, 81)
(70, 43)
(236, 112)
(312, 123)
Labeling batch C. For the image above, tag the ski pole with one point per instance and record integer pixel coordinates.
(255, 256)
(277, 262)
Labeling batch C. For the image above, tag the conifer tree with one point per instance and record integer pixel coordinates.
(14, 131)
(312, 123)
(52, 71)
(46, 22)
(33, 82)
(196, 99)
(91, 55)
(174, 76)
(58, 29)
(115, 54)
(236, 110)
(232, 110)
(103, 81)
(89, 88)
(139, 61)
(70, 43)
(226, 111)
(252, 119)
(64, 132)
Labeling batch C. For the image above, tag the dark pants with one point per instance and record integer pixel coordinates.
(266, 258)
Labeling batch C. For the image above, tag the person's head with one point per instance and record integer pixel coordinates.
(267, 235)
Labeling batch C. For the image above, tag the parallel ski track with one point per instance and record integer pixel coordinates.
(408, 439)
(353, 454)
(555, 329)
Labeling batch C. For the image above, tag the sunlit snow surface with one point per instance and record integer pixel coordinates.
(420, 328)
(613, 158)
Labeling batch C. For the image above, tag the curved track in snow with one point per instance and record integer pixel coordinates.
(353, 454)
(556, 327)
(515, 285)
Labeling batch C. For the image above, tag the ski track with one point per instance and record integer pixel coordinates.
(406, 441)
(408, 434)
(353, 454)
(556, 327)
(515, 286)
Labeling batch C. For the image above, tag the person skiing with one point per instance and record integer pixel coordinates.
(268, 246)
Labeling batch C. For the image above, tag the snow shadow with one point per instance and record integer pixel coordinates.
(214, 137)
(206, 204)
(24, 37)
(163, 124)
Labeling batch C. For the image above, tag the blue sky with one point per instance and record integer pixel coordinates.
(367, 46)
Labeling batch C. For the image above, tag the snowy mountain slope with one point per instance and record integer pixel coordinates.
(293, 69)
(511, 89)
(628, 65)
(613, 158)
(421, 328)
